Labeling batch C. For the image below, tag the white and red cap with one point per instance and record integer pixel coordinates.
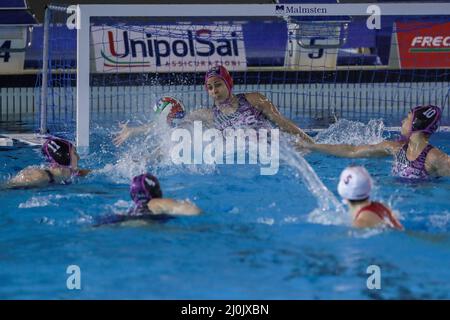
(355, 183)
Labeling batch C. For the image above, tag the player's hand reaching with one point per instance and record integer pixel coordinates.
(124, 133)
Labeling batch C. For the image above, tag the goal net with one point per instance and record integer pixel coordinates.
(316, 63)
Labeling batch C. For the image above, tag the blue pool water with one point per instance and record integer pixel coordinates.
(255, 240)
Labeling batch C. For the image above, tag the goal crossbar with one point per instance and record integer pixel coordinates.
(85, 12)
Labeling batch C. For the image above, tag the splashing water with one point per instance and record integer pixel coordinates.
(352, 132)
(330, 210)
(152, 152)
(149, 152)
(50, 200)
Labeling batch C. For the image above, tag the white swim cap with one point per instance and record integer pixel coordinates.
(355, 183)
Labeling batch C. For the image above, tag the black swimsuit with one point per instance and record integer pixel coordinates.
(51, 176)
(141, 213)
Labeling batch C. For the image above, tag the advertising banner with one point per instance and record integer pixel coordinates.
(168, 48)
(423, 44)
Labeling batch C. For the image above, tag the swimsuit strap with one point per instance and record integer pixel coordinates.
(246, 115)
(411, 169)
(376, 207)
(51, 176)
(421, 157)
(381, 211)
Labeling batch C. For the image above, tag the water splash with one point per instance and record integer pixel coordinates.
(50, 200)
(352, 132)
(366, 233)
(150, 152)
(439, 222)
(330, 210)
(268, 221)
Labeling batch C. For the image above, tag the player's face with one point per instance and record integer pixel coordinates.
(74, 158)
(406, 124)
(217, 89)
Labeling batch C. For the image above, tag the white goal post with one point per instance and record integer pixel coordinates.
(85, 12)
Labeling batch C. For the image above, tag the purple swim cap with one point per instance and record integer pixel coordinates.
(425, 119)
(144, 188)
(57, 151)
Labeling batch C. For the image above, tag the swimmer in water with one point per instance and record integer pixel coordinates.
(414, 156)
(245, 110)
(150, 205)
(354, 187)
(63, 158)
(249, 110)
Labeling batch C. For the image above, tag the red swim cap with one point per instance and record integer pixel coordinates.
(222, 73)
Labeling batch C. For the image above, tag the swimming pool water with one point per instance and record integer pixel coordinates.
(254, 240)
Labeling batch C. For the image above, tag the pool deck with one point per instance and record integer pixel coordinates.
(31, 139)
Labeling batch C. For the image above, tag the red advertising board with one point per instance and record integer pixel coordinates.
(423, 44)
